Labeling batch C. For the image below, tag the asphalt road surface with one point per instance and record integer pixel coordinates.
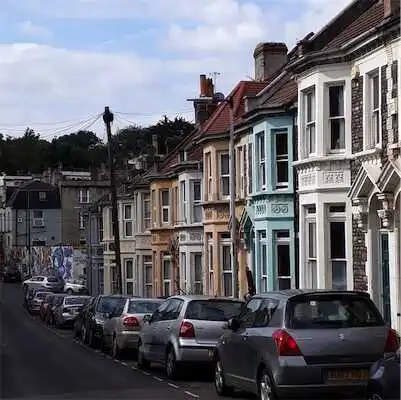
(37, 362)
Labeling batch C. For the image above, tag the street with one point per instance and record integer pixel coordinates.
(38, 362)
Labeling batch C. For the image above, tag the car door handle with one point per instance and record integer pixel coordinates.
(168, 327)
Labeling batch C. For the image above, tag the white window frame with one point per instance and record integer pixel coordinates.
(84, 196)
(147, 285)
(310, 126)
(127, 261)
(210, 264)
(340, 118)
(183, 202)
(209, 175)
(374, 115)
(196, 203)
(165, 207)
(36, 220)
(250, 168)
(226, 244)
(183, 271)
(147, 218)
(264, 273)
(82, 224)
(128, 220)
(277, 242)
(167, 281)
(42, 196)
(197, 284)
(262, 178)
(281, 159)
(342, 218)
(224, 177)
(311, 259)
(240, 172)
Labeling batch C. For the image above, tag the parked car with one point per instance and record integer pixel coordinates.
(30, 291)
(72, 286)
(81, 318)
(304, 342)
(185, 329)
(55, 301)
(384, 382)
(35, 302)
(53, 283)
(66, 312)
(92, 325)
(11, 273)
(45, 303)
(121, 328)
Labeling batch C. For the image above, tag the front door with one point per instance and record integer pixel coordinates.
(385, 276)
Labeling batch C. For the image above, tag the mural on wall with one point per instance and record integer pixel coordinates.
(63, 261)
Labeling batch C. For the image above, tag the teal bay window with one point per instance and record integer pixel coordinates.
(261, 160)
(262, 240)
(282, 260)
(280, 139)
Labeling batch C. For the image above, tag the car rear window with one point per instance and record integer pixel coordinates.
(52, 279)
(41, 295)
(332, 311)
(107, 304)
(143, 307)
(213, 310)
(74, 301)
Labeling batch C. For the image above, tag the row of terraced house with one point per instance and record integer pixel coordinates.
(318, 174)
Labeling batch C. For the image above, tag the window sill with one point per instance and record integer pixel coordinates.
(368, 153)
(328, 157)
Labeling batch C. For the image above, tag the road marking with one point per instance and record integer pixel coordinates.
(191, 394)
(158, 379)
(146, 373)
(172, 385)
(134, 368)
(124, 363)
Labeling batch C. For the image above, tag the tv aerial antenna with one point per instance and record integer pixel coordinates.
(214, 76)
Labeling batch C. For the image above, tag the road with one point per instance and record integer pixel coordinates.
(37, 362)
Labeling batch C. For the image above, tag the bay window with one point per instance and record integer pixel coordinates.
(281, 157)
(336, 117)
(337, 240)
(128, 220)
(311, 247)
(197, 212)
(310, 120)
(261, 154)
(183, 203)
(147, 212)
(165, 206)
(283, 260)
(224, 175)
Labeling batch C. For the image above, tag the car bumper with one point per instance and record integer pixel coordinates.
(195, 354)
(67, 319)
(128, 340)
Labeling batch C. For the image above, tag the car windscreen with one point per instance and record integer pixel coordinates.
(107, 304)
(332, 311)
(74, 301)
(143, 307)
(52, 279)
(213, 310)
(41, 295)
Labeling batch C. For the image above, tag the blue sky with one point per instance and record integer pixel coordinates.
(64, 60)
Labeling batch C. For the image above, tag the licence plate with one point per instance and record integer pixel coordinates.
(348, 375)
(211, 353)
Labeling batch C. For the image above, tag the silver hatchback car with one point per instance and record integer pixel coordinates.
(302, 343)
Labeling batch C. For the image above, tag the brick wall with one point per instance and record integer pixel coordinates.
(359, 251)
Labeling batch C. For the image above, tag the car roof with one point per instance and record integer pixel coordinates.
(290, 293)
(204, 297)
(147, 299)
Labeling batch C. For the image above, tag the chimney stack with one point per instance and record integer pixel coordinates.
(203, 86)
(269, 58)
(390, 7)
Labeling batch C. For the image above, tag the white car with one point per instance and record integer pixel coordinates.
(49, 282)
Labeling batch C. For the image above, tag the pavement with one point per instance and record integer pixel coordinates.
(38, 362)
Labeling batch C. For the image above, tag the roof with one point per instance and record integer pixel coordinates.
(288, 293)
(220, 120)
(286, 92)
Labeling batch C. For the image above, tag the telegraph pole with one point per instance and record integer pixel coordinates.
(233, 190)
(108, 118)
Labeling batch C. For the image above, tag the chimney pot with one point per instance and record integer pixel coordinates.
(269, 58)
(390, 7)
(210, 87)
(203, 86)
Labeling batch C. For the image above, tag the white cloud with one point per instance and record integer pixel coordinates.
(45, 83)
(29, 29)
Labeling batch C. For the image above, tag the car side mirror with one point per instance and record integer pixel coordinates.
(147, 318)
(233, 324)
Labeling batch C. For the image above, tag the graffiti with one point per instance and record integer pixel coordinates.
(62, 261)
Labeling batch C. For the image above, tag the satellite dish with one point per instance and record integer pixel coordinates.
(219, 97)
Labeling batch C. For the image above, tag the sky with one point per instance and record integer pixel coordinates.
(62, 62)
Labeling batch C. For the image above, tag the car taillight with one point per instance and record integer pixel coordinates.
(286, 344)
(130, 321)
(187, 330)
(392, 342)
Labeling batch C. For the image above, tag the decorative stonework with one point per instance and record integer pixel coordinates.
(333, 178)
(196, 236)
(277, 208)
(183, 237)
(308, 180)
(208, 214)
(360, 211)
(260, 209)
(386, 213)
(143, 241)
(222, 214)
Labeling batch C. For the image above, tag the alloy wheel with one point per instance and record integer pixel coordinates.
(218, 377)
(265, 388)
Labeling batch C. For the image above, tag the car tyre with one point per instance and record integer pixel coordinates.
(171, 367)
(219, 381)
(143, 363)
(69, 292)
(265, 386)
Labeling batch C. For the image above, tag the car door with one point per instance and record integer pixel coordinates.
(170, 322)
(234, 346)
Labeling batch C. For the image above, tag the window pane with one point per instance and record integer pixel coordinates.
(198, 213)
(226, 258)
(281, 144)
(166, 269)
(129, 267)
(148, 274)
(311, 138)
(250, 168)
(165, 215)
(198, 267)
(263, 258)
(337, 134)
(283, 260)
(282, 172)
(130, 287)
(375, 91)
(225, 186)
(284, 284)
(228, 285)
(337, 240)
(165, 198)
(197, 191)
(310, 107)
(225, 164)
(339, 275)
(312, 239)
(166, 289)
(336, 100)
(261, 140)
(128, 228)
(127, 212)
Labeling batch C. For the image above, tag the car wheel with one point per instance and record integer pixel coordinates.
(170, 364)
(143, 363)
(219, 381)
(69, 292)
(375, 396)
(265, 386)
